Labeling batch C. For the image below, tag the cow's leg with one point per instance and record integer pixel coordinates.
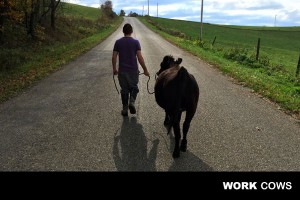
(168, 123)
(176, 127)
(186, 126)
(167, 120)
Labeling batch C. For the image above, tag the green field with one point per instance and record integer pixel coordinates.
(78, 11)
(234, 53)
(280, 44)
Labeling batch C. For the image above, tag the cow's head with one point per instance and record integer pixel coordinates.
(168, 62)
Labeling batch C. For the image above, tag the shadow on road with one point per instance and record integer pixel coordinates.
(187, 161)
(130, 148)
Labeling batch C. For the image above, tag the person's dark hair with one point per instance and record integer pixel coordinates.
(127, 29)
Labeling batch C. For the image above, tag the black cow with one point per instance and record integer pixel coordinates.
(176, 91)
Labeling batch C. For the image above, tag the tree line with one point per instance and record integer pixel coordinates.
(27, 13)
(34, 14)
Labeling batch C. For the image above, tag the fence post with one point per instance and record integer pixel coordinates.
(258, 47)
(214, 41)
(298, 67)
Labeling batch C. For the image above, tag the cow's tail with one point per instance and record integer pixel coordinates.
(182, 78)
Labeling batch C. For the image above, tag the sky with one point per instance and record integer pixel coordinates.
(228, 12)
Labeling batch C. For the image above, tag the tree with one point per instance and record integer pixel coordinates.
(106, 8)
(5, 7)
(8, 12)
(36, 10)
(53, 7)
(33, 17)
(133, 14)
(122, 13)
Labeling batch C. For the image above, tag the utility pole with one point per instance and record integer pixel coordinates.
(157, 11)
(143, 11)
(148, 8)
(201, 25)
(275, 21)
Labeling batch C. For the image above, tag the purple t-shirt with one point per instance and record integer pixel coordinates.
(127, 48)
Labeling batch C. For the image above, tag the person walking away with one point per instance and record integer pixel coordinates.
(129, 52)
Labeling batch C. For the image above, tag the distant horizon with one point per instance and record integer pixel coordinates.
(229, 24)
(272, 13)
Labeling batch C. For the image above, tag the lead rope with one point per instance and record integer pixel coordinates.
(139, 74)
(115, 84)
(148, 84)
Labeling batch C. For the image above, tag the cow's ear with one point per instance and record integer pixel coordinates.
(178, 61)
(163, 65)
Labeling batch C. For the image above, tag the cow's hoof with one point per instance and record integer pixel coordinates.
(176, 154)
(183, 146)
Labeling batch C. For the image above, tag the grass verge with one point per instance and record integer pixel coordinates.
(275, 85)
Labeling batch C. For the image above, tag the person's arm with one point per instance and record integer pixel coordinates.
(114, 62)
(142, 62)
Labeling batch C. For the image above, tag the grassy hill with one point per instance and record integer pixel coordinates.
(78, 11)
(234, 53)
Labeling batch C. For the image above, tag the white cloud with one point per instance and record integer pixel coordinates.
(237, 12)
(187, 18)
(75, 2)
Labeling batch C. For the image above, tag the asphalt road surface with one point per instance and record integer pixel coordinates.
(71, 121)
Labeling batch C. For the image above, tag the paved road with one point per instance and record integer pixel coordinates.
(71, 121)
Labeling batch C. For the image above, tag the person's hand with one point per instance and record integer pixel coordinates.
(115, 71)
(146, 73)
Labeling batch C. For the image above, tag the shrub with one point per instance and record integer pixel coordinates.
(9, 58)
